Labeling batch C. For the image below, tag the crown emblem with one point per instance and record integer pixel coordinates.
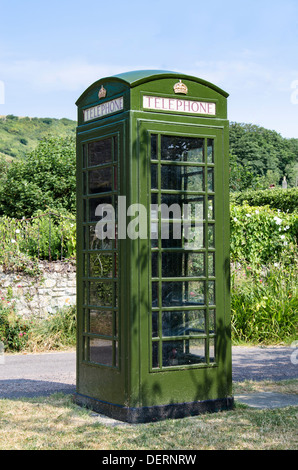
(102, 92)
(180, 88)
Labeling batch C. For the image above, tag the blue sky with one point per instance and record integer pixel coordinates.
(51, 51)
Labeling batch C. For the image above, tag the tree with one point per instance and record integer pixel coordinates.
(260, 157)
(46, 178)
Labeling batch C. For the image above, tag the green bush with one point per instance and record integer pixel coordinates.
(46, 178)
(46, 236)
(13, 328)
(262, 235)
(285, 200)
(264, 303)
(56, 331)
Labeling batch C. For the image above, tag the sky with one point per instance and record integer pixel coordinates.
(50, 52)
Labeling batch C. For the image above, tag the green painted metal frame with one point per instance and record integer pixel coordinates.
(133, 390)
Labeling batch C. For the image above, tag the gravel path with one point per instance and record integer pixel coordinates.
(42, 374)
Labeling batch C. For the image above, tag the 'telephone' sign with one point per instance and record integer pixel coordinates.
(179, 106)
(109, 107)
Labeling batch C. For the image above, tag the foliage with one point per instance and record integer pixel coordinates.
(283, 199)
(56, 331)
(262, 235)
(50, 236)
(19, 136)
(47, 178)
(260, 157)
(13, 328)
(264, 297)
(264, 302)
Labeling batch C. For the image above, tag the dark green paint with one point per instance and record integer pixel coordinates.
(131, 384)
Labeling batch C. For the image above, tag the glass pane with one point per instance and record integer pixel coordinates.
(154, 260)
(84, 293)
(100, 180)
(155, 361)
(211, 292)
(115, 265)
(182, 178)
(153, 147)
(84, 183)
(176, 206)
(183, 293)
(197, 350)
(195, 208)
(85, 151)
(194, 236)
(116, 353)
(184, 323)
(154, 176)
(210, 182)
(96, 243)
(84, 210)
(116, 323)
(210, 150)
(211, 207)
(183, 149)
(154, 294)
(100, 265)
(101, 294)
(85, 268)
(100, 152)
(194, 264)
(212, 321)
(94, 203)
(182, 352)
(115, 142)
(211, 350)
(154, 234)
(101, 322)
(211, 236)
(211, 264)
(154, 324)
(171, 235)
(183, 264)
(101, 351)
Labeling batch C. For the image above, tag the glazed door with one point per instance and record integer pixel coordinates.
(183, 331)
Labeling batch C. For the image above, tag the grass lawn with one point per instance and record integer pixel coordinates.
(55, 423)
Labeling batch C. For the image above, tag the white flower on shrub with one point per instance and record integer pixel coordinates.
(282, 237)
(248, 215)
(13, 241)
(17, 230)
(278, 221)
(235, 219)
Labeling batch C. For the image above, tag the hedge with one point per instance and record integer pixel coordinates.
(285, 200)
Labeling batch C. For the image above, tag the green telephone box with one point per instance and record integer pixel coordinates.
(153, 247)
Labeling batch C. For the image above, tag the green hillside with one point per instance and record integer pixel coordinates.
(259, 157)
(18, 136)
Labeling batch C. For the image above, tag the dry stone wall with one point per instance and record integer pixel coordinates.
(41, 295)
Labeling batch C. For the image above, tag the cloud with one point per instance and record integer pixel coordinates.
(248, 76)
(56, 76)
